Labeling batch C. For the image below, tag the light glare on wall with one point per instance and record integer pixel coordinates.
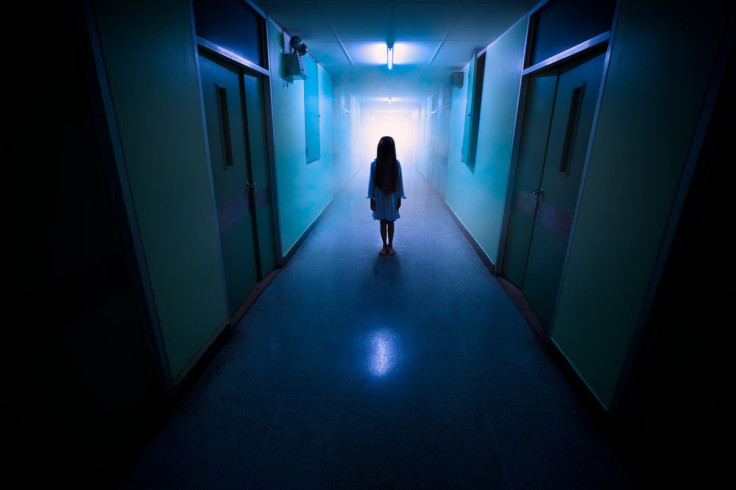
(390, 56)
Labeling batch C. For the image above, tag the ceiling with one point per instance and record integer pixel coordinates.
(431, 40)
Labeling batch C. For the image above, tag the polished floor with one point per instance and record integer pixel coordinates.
(357, 371)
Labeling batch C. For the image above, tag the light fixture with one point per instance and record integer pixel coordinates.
(298, 46)
(390, 55)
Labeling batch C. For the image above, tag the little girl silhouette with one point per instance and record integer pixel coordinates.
(385, 190)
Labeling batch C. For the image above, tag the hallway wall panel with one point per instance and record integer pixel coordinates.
(343, 123)
(478, 197)
(156, 99)
(304, 189)
(661, 64)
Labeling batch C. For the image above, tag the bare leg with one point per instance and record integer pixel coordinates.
(390, 232)
(383, 226)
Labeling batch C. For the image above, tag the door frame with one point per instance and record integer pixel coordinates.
(583, 48)
(253, 69)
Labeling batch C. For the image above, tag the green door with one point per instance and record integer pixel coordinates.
(255, 87)
(548, 178)
(537, 118)
(229, 129)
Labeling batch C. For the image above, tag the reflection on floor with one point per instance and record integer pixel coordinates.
(353, 370)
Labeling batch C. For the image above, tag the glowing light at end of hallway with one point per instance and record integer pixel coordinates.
(389, 57)
(399, 124)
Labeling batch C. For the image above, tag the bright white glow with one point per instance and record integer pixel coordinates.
(384, 99)
(399, 124)
(411, 54)
(373, 53)
(383, 354)
(396, 54)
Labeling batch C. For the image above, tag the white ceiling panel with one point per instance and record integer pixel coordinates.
(485, 23)
(326, 53)
(414, 53)
(304, 22)
(456, 53)
(431, 21)
(358, 22)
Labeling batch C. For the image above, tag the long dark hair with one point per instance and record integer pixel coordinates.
(387, 171)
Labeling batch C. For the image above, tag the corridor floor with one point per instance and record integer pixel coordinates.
(357, 371)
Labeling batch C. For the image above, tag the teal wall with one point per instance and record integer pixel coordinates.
(478, 198)
(327, 132)
(440, 142)
(304, 190)
(662, 59)
(341, 131)
(423, 140)
(347, 138)
(156, 98)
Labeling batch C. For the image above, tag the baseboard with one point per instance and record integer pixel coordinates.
(290, 253)
(478, 249)
(194, 369)
(254, 294)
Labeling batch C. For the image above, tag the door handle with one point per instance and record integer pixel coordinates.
(250, 185)
(539, 192)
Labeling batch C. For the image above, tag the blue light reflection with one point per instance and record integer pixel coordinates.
(384, 352)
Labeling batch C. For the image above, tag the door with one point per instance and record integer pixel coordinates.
(557, 124)
(235, 121)
(537, 118)
(258, 153)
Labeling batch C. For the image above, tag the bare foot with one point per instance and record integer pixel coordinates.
(383, 251)
(391, 250)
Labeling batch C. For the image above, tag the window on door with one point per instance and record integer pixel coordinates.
(224, 120)
(572, 128)
(475, 88)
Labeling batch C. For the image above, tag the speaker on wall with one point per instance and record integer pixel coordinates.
(456, 79)
(294, 66)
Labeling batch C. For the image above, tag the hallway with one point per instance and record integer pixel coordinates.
(353, 370)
